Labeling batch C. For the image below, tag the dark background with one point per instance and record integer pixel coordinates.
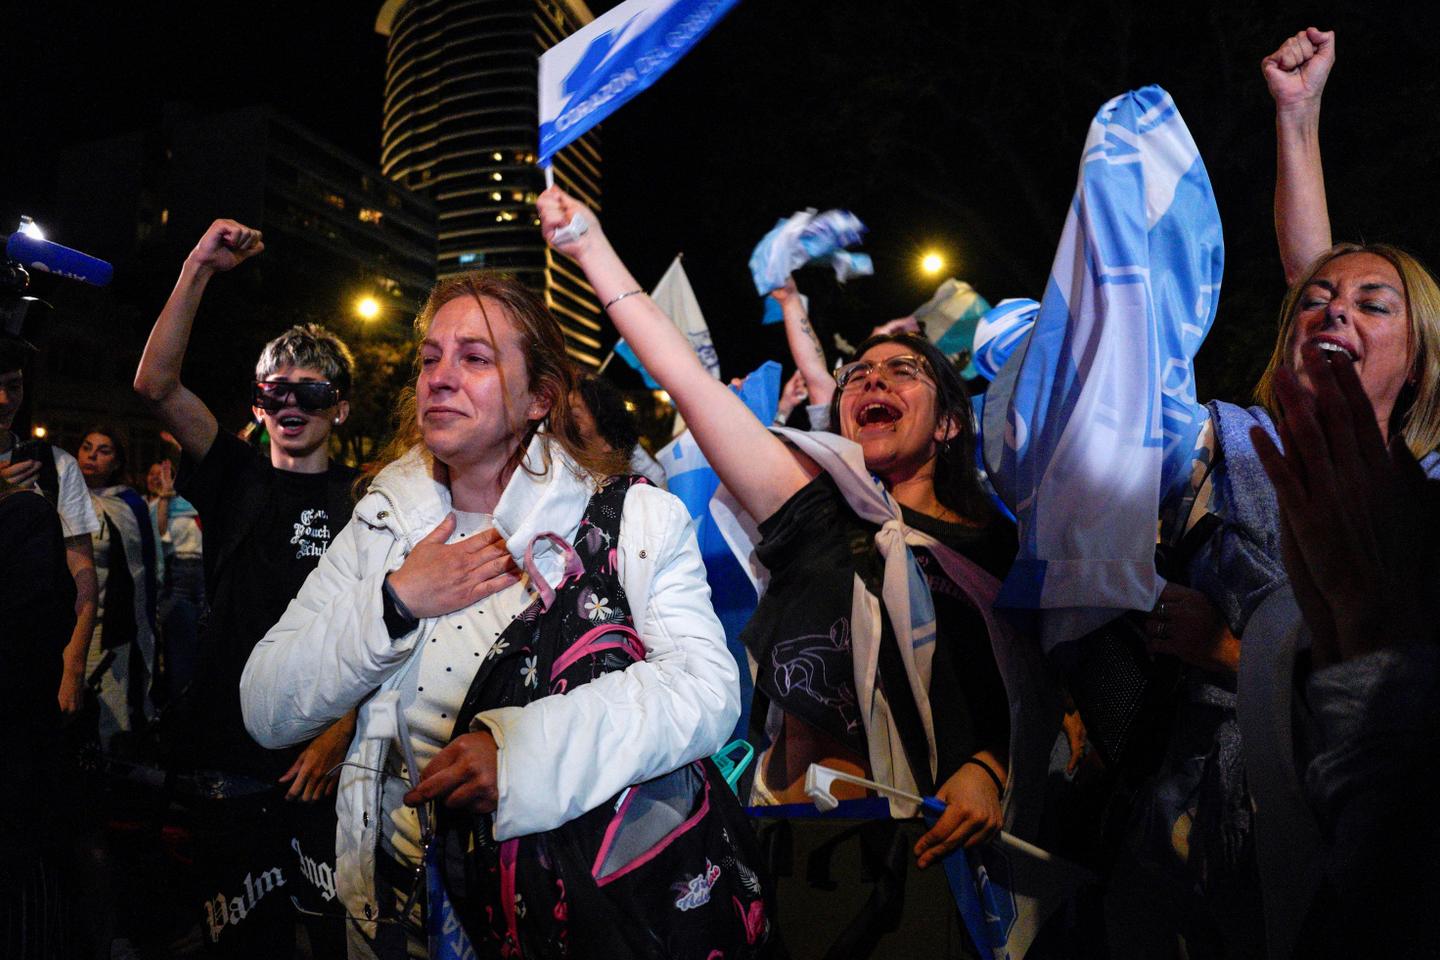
(941, 124)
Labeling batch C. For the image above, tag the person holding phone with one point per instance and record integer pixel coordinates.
(37, 464)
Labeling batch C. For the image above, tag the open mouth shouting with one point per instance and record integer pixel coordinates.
(1330, 346)
(877, 415)
(292, 424)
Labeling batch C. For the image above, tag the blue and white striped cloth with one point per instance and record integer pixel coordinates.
(1100, 413)
(999, 332)
(809, 237)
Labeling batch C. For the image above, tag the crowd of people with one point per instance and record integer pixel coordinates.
(470, 696)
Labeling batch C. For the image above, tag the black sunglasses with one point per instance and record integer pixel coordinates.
(310, 395)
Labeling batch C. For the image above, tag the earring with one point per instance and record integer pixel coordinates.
(337, 421)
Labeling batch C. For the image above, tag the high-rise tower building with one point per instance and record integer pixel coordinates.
(460, 126)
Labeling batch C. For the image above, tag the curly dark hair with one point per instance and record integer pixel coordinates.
(957, 479)
(613, 420)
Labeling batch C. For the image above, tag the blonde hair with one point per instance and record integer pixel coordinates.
(1417, 410)
(550, 372)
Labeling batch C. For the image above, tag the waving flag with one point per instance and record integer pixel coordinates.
(733, 589)
(588, 75)
(807, 237)
(676, 299)
(950, 317)
(1100, 416)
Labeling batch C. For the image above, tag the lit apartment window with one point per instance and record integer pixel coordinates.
(505, 216)
(335, 200)
(497, 175)
(368, 215)
(497, 155)
(497, 195)
(468, 258)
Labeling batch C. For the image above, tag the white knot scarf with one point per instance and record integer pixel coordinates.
(907, 601)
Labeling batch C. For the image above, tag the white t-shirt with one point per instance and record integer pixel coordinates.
(448, 662)
(77, 513)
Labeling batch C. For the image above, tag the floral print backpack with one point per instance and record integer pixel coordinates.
(665, 869)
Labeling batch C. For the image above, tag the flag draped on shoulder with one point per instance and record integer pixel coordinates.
(1100, 416)
(590, 74)
(806, 237)
(676, 299)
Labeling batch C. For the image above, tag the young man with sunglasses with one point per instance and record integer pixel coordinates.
(267, 519)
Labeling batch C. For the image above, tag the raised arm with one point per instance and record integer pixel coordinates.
(224, 246)
(804, 344)
(1296, 75)
(756, 466)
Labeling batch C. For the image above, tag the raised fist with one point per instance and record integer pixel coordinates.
(226, 245)
(1296, 72)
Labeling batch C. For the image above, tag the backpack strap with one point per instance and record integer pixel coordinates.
(577, 628)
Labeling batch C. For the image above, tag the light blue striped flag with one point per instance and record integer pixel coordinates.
(949, 319)
(1100, 416)
(691, 478)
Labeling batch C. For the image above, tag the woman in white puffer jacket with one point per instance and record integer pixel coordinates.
(415, 591)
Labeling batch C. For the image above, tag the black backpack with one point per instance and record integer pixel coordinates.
(666, 868)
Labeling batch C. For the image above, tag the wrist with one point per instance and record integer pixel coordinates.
(196, 271)
(1301, 114)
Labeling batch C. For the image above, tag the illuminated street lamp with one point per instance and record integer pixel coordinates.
(367, 308)
(931, 263)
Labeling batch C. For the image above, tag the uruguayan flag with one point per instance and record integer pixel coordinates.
(1099, 410)
(734, 591)
(676, 299)
(949, 319)
(588, 75)
(805, 237)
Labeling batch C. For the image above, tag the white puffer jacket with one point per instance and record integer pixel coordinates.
(559, 756)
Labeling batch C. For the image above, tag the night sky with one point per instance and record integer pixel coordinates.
(949, 125)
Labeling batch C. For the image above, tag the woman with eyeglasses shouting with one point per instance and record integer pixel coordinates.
(863, 574)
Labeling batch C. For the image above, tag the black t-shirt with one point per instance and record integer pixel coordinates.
(800, 634)
(265, 530)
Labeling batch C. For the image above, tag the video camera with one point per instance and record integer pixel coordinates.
(27, 250)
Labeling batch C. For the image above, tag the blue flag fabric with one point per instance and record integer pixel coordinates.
(590, 74)
(807, 237)
(1000, 331)
(694, 481)
(1100, 416)
(623, 351)
(447, 939)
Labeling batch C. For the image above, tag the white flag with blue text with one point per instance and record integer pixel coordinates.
(588, 75)
(676, 299)
(1101, 415)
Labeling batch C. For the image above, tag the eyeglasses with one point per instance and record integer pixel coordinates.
(899, 370)
(310, 395)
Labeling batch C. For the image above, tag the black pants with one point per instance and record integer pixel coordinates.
(850, 889)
